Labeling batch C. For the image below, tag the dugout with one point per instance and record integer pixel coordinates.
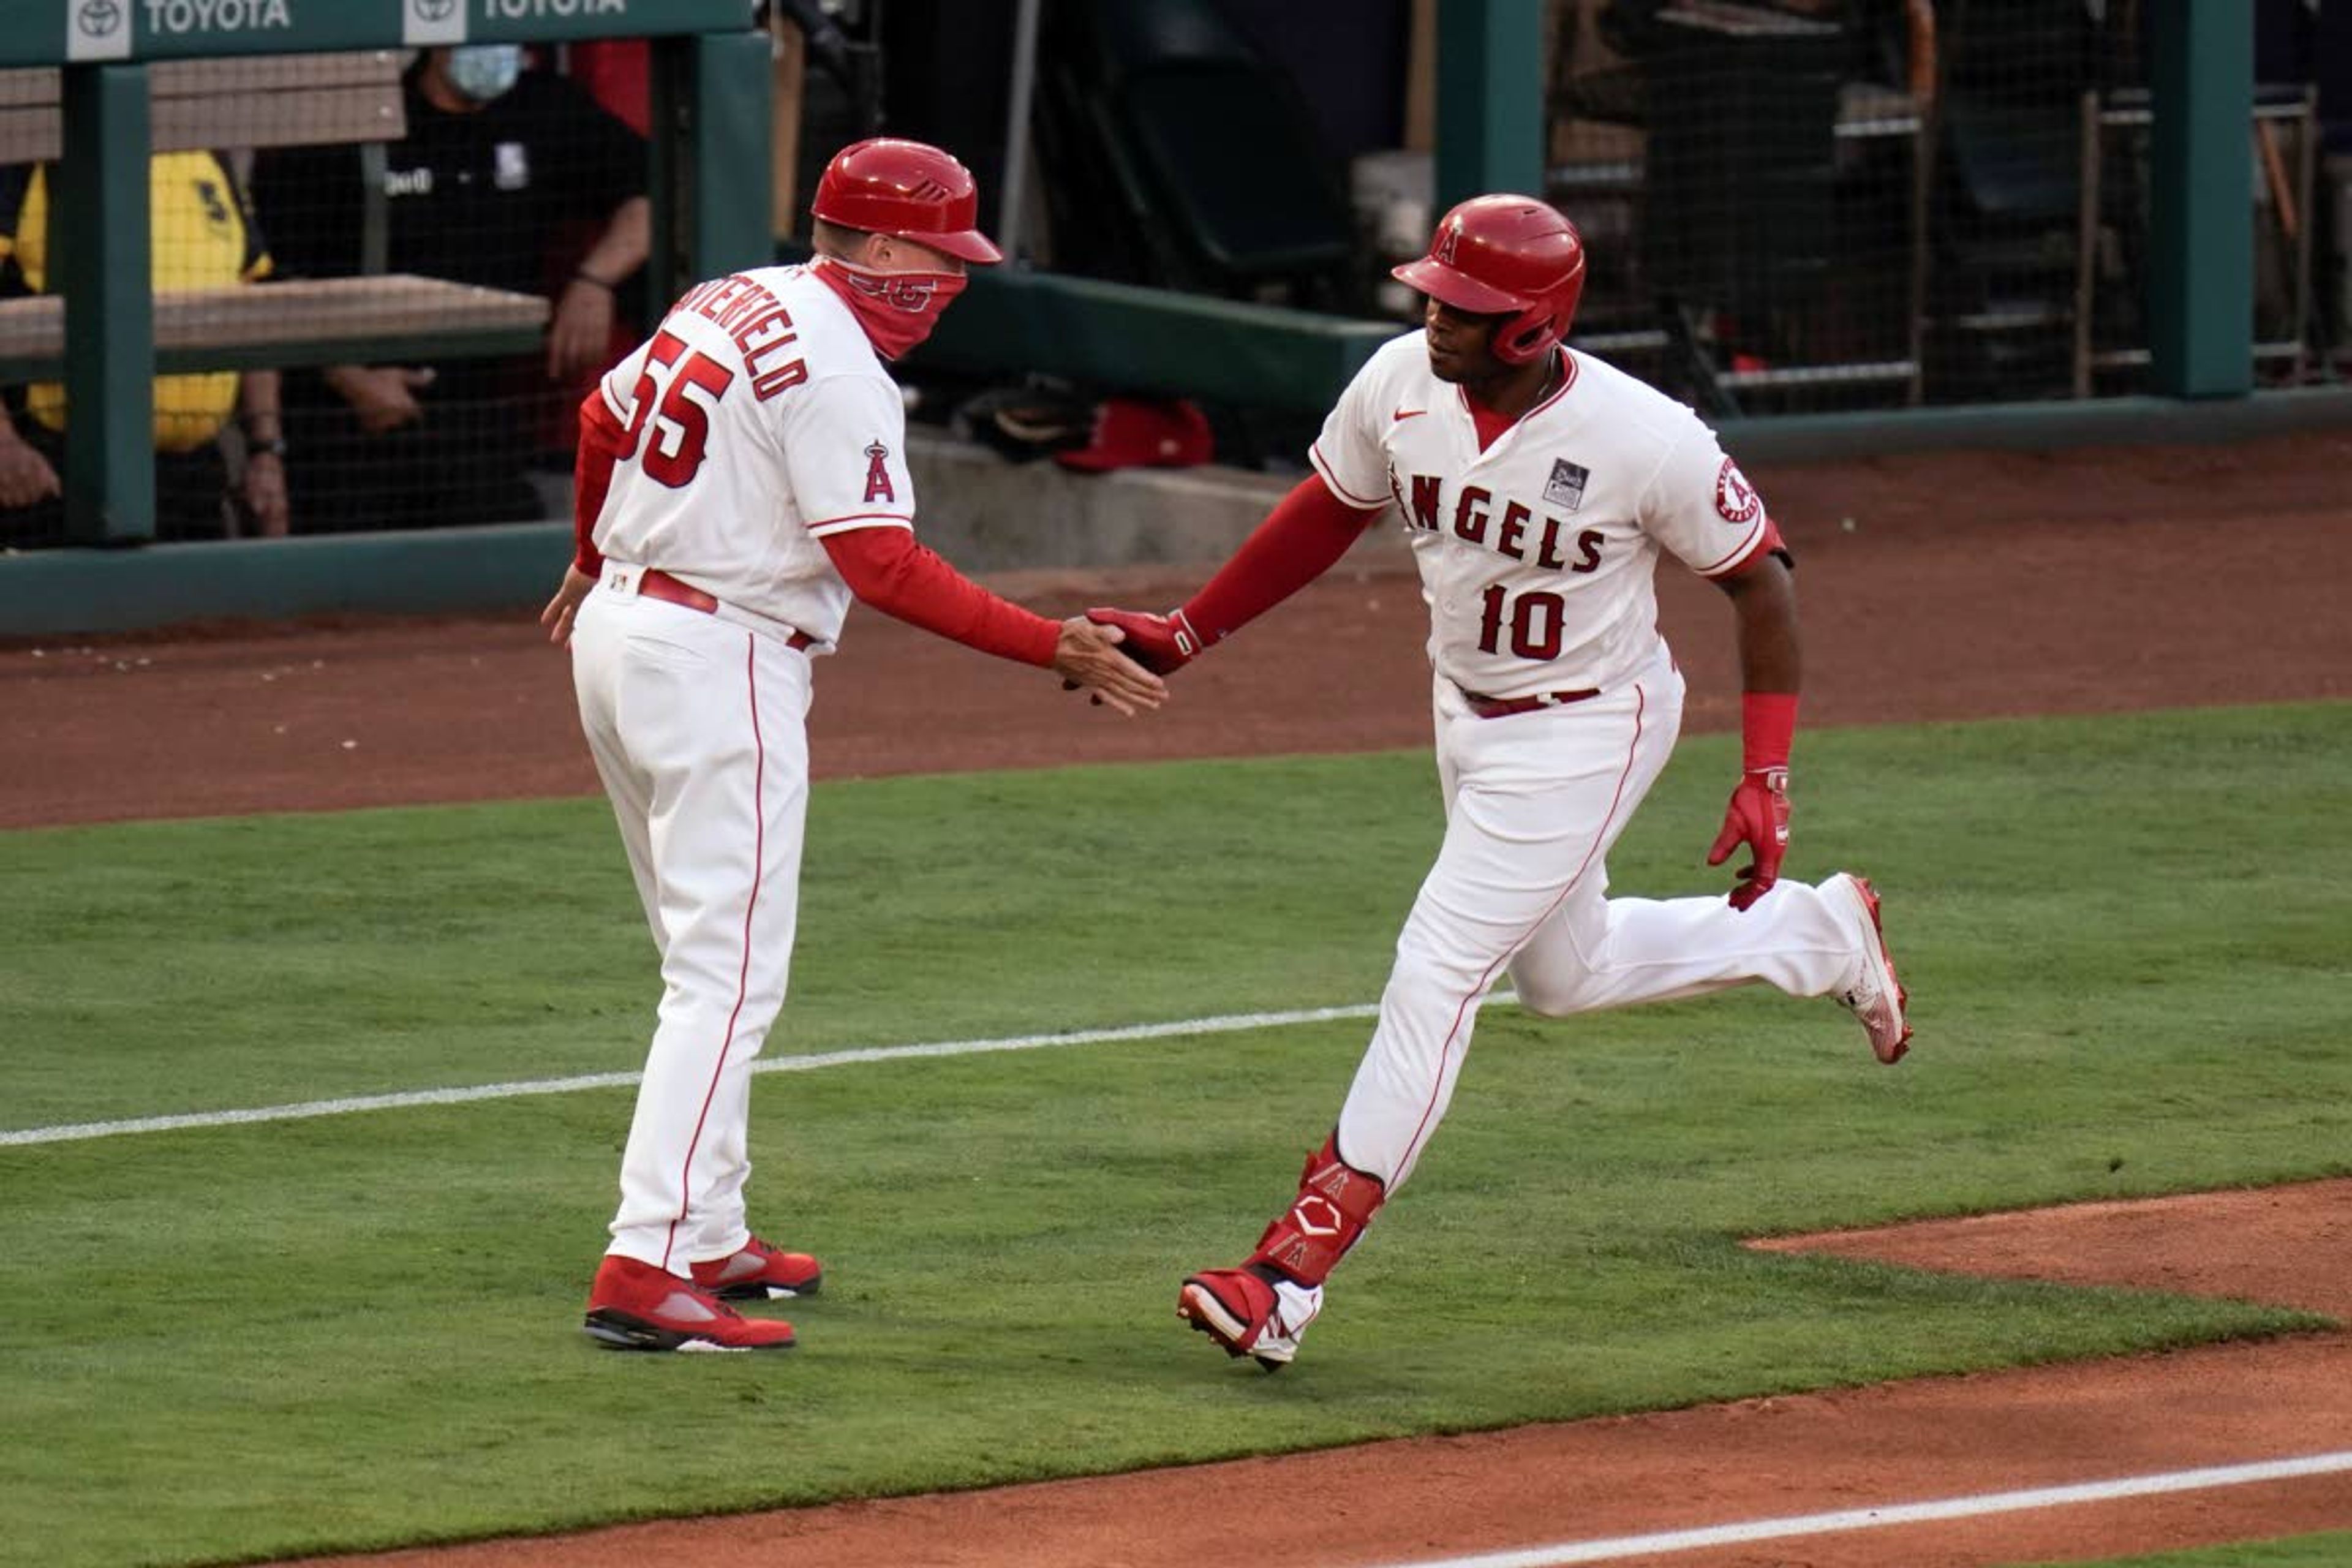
(91, 91)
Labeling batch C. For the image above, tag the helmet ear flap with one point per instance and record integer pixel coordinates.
(1525, 336)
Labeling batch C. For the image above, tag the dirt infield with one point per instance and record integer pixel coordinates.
(1949, 588)
(1956, 586)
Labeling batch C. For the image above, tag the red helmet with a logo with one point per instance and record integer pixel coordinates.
(1506, 256)
(909, 189)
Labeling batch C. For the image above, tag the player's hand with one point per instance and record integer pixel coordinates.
(1088, 655)
(383, 397)
(1758, 817)
(26, 476)
(580, 334)
(1161, 644)
(562, 609)
(265, 493)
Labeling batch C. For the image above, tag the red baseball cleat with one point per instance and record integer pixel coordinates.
(759, 1273)
(1248, 1314)
(635, 1306)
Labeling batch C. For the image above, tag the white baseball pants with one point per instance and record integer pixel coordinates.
(698, 727)
(1533, 802)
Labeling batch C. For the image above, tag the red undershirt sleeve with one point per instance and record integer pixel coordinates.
(1768, 729)
(602, 439)
(1301, 539)
(885, 568)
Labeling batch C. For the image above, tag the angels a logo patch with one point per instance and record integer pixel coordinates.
(1734, 497)
(878, 474)
(1566, 486)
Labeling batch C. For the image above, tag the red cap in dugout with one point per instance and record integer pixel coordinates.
(1503, 255)
(911, 190)
(1133, 432)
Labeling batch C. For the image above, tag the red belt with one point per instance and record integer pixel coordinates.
(1487, 706)
(653, 584)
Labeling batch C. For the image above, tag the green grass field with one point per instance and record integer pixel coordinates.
(2124, 939)
(2329, 1551)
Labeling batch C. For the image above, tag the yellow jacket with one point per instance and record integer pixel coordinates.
(204, 236)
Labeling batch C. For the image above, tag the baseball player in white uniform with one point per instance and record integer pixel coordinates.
(1537, 486)
(743, 476)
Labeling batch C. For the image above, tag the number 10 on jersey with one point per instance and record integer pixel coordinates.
(1534, 621)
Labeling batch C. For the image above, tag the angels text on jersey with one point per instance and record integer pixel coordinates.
(1505, 525)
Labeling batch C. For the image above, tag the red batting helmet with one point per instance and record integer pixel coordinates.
(1496, 256)
(909, 189)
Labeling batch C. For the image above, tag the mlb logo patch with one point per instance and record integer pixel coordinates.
(1566, 486)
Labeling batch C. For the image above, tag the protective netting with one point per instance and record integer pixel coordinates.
(382, 283)
(1805, 205)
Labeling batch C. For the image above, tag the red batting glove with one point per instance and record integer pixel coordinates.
(1161, 644)
(1758, 817)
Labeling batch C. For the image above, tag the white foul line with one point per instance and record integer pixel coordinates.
(1225, 1024)
(1622, 1546)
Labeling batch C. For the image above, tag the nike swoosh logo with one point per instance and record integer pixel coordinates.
(1411, 413)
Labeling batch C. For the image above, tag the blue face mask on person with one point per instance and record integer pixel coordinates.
(484, 71)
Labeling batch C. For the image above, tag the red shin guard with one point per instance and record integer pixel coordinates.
(1335, 1203)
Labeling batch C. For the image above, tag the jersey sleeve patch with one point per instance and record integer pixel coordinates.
(877, 473)
(1735, 499)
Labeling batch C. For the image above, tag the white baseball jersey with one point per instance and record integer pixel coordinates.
(762, 421)
(1536, 555)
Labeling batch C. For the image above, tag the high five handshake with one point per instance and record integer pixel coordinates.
(1090, 654)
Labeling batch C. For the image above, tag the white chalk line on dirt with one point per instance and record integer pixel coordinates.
(1565, 1554)
(1224, 1023)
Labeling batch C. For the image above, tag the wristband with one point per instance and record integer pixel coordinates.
(592, 278)
(1767, 724)
(1187, 641)
(273, 448)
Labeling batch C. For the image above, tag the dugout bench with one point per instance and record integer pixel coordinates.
(269, 101)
